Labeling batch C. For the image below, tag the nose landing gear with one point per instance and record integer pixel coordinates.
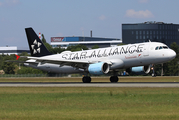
(153, 71)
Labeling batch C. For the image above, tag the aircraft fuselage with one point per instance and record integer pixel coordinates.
(118, 57)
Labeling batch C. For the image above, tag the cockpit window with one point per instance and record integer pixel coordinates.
(165, 47)
(161, 47)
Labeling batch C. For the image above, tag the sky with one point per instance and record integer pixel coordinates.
(59, 18)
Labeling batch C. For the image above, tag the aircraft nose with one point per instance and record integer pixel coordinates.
(171, 54)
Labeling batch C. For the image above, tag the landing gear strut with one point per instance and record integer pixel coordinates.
(114, 79)
(153, 73)
(86, 79)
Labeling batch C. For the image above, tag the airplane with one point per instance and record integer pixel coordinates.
(138, 57)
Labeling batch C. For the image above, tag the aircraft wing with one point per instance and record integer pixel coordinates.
(17, 61)
(73, 63)
(37, 60)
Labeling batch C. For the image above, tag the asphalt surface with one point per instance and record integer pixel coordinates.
(95, 84)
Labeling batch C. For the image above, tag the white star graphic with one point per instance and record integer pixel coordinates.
(38, 44)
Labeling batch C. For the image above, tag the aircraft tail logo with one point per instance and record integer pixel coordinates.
(37, 48)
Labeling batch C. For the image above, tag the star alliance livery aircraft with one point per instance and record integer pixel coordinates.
(132, 57)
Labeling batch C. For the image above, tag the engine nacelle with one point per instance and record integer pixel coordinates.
(139, 70)
(98, 68)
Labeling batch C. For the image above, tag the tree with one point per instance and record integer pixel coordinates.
(121, 44)
(58, 50)
(43, 39)
(173, 66)
(47, 45)
(95, 47)
(8, 67)
(23, 54)
(29, 70)
(77, 47)
(1, 62)
(174, 46)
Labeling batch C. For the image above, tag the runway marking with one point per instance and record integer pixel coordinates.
(76, 84)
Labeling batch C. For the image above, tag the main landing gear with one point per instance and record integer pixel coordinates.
(114, 79)
(87, 79)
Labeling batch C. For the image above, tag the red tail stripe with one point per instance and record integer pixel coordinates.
(17, 57)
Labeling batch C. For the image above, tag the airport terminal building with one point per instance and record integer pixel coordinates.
(153, 31)
(89, 42)
(12, 50)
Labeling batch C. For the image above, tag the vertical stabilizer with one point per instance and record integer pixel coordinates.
(37, 48)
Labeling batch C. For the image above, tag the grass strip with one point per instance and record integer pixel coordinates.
(89, 103)
(94, 79)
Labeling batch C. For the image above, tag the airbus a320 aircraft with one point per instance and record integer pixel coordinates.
(133, 57)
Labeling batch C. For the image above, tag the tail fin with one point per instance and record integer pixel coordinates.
(37, 48)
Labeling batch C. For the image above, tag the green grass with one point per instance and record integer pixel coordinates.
(89, 103)
(94, 79)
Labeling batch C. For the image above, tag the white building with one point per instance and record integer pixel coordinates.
(89, 42)
(12, 50)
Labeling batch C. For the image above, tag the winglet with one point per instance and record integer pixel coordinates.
(17, 57)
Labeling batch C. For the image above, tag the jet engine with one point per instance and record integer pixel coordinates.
(98, 68)
(139, 70)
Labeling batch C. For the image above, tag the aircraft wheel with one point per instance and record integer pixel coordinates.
(114, 79)
(153, 75)
(86, 79)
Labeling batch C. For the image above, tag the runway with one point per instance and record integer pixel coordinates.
(95, 84)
